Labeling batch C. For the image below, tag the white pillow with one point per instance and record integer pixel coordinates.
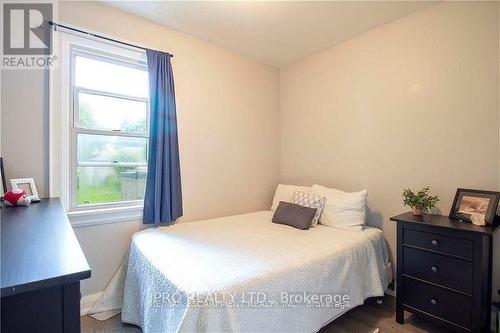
(285, 193)
(311, 200)
(342, 210)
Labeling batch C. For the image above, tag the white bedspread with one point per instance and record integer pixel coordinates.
(182, 278)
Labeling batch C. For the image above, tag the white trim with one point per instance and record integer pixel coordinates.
(87, 302)
(51, 127)
(85, 218)
(102, 53)
(58, 120)
(84, 130)
(60, 133)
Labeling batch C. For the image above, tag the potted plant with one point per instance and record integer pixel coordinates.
(421, 202)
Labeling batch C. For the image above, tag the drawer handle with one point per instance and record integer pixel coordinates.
(434, 301)
(434, 269)
(434, 242)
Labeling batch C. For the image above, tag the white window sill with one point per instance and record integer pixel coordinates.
(90, 217)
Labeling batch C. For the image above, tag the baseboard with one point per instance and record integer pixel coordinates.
(87, 302)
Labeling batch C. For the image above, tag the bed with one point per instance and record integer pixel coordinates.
(244, 273)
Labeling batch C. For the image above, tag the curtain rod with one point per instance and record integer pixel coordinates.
(57, 25)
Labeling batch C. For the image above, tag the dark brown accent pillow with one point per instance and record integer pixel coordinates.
(296, 216)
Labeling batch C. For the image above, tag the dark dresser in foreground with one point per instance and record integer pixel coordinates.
(444, 271)
(41, 268)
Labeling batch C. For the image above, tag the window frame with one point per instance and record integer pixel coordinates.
(74, 129)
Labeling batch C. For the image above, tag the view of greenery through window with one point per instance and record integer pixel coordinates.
(111, 137)
(101, 184)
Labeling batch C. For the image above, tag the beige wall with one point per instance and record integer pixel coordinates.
(24, 126)
(228, 118)
(409, 104)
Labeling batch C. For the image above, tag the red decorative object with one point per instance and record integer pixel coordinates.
(17, 197)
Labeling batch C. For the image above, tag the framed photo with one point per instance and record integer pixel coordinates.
(476, 206)
(3, 185)
(27, 184)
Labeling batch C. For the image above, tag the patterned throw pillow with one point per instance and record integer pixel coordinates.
(311, 200)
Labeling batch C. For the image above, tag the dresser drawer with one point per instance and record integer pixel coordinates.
(439, 302)
(446, 244)
(446, 271)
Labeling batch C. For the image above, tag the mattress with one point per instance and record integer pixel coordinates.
(244, 273)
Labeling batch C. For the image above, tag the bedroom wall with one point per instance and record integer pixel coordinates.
(409, 104)
(228, 119)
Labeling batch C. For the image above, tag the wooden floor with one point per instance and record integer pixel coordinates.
(366, 318)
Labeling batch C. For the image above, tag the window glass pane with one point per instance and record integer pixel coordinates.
(106, 76)
(104, 148)
(110, 113)
(97, 185)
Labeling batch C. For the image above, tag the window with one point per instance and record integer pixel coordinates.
(109, 129)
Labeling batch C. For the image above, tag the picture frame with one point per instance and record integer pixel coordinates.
(3, 184)
(476, 206)
(27, 184)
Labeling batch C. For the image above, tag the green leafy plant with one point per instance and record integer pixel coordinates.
(421, 200)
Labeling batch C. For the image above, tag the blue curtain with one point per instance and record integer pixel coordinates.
(163, 198)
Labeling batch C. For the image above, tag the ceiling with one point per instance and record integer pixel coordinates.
(276, 33)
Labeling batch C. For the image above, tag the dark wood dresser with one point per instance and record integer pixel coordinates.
(444, 271)
(42, 265)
